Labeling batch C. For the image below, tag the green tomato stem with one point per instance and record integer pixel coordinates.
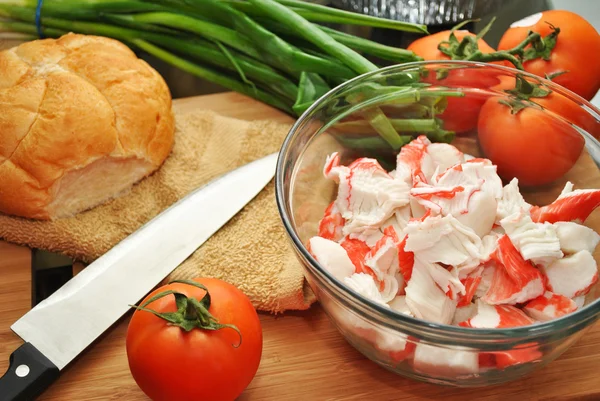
(191, 313)
(468, 48)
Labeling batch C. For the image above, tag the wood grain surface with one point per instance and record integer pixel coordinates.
(304, 357)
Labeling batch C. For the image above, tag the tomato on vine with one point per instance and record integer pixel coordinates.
(526, 142)
(569, 54)
(461, 113)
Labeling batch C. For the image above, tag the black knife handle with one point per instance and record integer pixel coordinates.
(28, 375)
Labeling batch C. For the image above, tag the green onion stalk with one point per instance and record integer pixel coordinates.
(276, 51)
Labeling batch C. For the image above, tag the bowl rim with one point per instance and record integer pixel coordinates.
(381, 313)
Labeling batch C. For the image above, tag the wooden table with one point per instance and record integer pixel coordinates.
(304, 357)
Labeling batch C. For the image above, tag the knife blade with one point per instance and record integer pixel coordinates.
(60, 327)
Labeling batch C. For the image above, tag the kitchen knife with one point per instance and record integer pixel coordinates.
(60, 327)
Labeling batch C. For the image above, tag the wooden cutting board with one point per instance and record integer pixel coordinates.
(304, 357)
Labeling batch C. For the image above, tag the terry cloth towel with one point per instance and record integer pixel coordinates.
(251, 251)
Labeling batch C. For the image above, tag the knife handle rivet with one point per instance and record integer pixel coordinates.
(22, 370)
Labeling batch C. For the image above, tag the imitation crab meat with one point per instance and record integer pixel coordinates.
(445, 155)
(537, 242)
(515, 280)
(357, 251)
(330, 226)
(367, 194)
(549, 306)
(440, 238)
(468, 191)
(571, 205)
(399, 305)
(414, 164)
(425, 298)
(438, 361)
(444, 240)
(497, 316)
(511, 202)
(332, 256)
(573, 275)
(579, 301)
(574, 237)
(364, 285)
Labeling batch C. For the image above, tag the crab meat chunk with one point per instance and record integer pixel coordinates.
(369, 237)
(446, 279)
(464, 313)
(571, 205)
(445, 362)
(445, 155)
(489, 244)
(467, 191)
(574, 237)
(528, 354)
(357, 250)
(406, 260)
(549, 306)
(383, 261)
(573, 275)
(511, 202)
(364, 285)
(470, 283)
(515, 280)
(579, 301)
(537, 242)
(399, 305)
(478, 172)
(383, 257)
(497, 317)
(444, 240)
(417, 210)
(350, 322)
(487, 276)
(443, 200)
(367, 194)
(330, 226)
(426, 300)
(396, 344)
(391, 285)
(487, 174)
(399, 220)
(332, 168)
(413, 158)
(503, 316)
(481, 213)
(332, 256)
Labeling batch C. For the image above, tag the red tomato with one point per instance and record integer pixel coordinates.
(559, 104)
(427, 46)
(169, 363)
(577, 50)
(530, 145)
(461, 113)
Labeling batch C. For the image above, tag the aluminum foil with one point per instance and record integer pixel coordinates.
(428, 12)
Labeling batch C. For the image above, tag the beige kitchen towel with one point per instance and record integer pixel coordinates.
(251, 251)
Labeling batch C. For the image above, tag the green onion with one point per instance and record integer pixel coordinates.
(210, 75)
(318, 13)
(317, 37)
(312, 87)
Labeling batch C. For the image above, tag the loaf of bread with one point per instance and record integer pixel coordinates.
(82, 119)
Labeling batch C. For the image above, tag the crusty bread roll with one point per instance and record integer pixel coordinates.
(81, 120)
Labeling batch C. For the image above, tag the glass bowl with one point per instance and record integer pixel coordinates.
(412, 97)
